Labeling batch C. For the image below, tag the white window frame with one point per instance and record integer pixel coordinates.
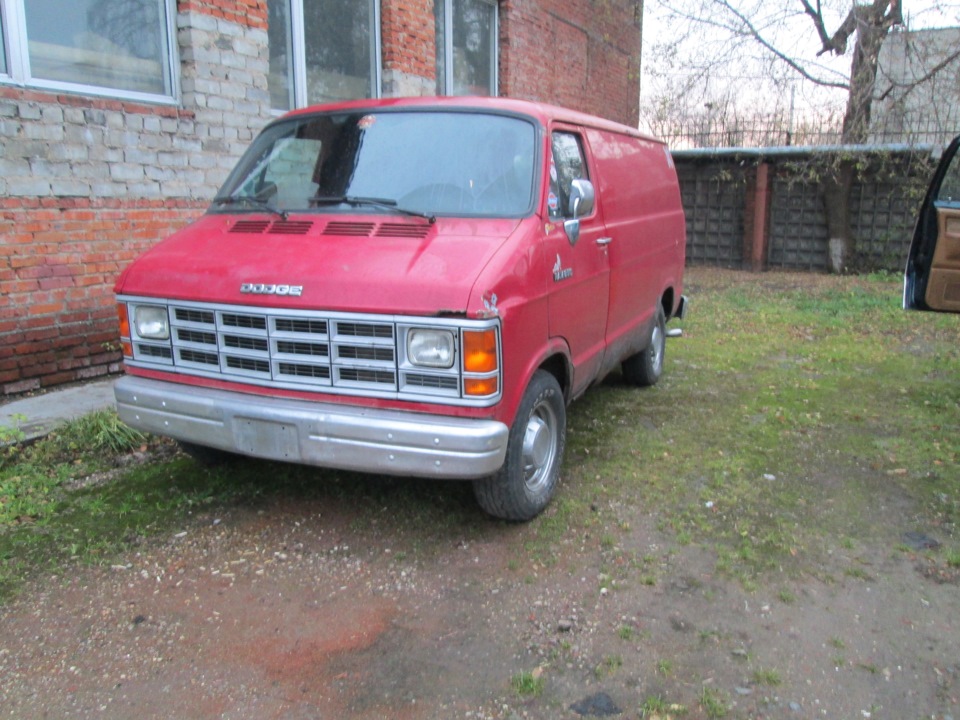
(18, 60)
(448, 87)
(298, 42)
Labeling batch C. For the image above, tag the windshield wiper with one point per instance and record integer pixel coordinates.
(355, 200)
(249, 200)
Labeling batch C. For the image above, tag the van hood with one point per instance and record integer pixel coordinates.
(374, 264)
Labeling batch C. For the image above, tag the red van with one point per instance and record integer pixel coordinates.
(410, 287)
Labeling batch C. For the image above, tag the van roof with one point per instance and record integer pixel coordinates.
(542, 112)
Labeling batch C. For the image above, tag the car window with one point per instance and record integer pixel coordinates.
(950, 187)
(566, 165)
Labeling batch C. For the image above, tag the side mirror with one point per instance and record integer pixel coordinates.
(581, 203)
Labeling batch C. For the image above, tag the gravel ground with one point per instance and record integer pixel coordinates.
(289, 610)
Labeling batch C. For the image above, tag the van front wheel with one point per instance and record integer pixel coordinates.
(524, 486)
(645, 367)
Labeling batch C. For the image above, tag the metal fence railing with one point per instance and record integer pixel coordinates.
(706, 132)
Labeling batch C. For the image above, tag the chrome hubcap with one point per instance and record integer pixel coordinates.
(539, 447)
(656, 348)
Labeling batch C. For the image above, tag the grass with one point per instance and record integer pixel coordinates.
(791, 404)
(76, 497)
(792, 411)
(766, 676)
(609, 665)
(528, 684)
(715, 703)
(656, 708)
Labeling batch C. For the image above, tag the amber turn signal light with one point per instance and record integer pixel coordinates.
(124, 320)
(480, 351)
(480, 387)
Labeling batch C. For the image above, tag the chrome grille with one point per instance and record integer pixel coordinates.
(193, 316)
(306, 327)
(327, 352)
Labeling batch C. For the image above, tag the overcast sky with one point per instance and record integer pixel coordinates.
(745, 77)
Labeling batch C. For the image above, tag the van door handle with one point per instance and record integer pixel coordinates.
(604, 240)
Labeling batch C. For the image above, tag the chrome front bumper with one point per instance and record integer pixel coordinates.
(322, 434)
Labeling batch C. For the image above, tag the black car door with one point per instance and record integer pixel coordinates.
(932, 278)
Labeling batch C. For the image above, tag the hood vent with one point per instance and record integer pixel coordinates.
(348, 229)
(291, 227)
(351, 229)
(250, 226)
(280, 227)
(403, 230)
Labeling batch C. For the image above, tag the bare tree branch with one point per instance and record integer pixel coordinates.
(755, 34)
(817, 16)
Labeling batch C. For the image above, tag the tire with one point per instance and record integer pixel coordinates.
(206, 456)
(644, 368)
(524, 486)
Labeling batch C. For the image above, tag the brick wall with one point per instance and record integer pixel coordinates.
(583, 55)
(408, 47)
(60, 257)
(87, 184)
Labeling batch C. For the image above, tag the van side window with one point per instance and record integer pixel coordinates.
(566, 165)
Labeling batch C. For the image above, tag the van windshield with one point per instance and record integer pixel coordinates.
(434, 163)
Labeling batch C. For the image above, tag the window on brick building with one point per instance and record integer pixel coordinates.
(3, 48)
(119, 48)
(466, 47)
(323, 51)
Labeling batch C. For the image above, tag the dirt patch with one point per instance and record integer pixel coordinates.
(285, 611)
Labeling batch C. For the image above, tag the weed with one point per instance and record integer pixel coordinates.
(715, 703)
(100, 431)
(528, 684)
(656, 708)
(766, 677)
(837, 643)
(608, 666)
(664, 667)
(857, 574)
(787, 597)
(11, 435)
(626, 633)
(653, 705)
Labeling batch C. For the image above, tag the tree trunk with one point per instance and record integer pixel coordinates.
(871, 23)
(836, 188)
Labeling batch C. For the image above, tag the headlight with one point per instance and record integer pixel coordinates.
(151, 322)
(430, 348)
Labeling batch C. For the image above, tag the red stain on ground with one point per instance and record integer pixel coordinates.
(294, 652)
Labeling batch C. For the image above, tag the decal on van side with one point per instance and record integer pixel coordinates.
(560, 272)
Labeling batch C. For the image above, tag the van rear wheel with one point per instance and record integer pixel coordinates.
(645, 367)
(524, 486)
